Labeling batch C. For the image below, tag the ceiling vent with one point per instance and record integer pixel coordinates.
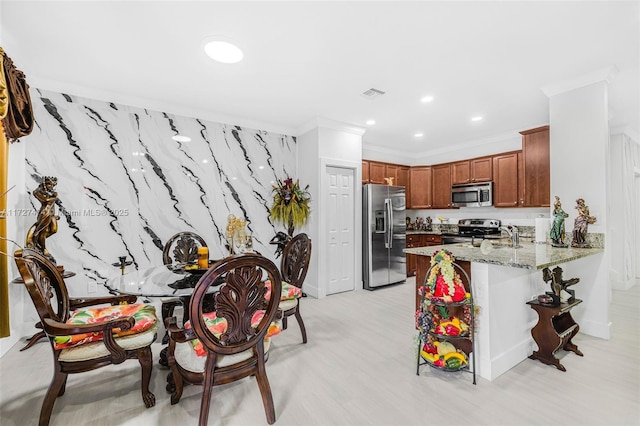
(372, 93)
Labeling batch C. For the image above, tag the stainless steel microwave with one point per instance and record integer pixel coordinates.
(472, 195)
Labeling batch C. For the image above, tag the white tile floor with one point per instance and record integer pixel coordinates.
(357, 369)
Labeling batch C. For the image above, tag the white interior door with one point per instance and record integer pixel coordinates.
(340, 244)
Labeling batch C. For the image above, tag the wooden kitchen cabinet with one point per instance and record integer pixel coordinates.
(536, 176)
(420, 187)
(441, 193)
(403, 180)
(472, 171)
(365, 171)
(419, 240)
(377, 172)
(481, 169)
(460, 172)
(506, 185)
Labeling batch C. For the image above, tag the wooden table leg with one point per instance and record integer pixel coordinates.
(33, 340)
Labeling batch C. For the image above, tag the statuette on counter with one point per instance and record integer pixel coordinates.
(581, 224)
(557, 228)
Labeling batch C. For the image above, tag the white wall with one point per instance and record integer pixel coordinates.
(15, 223)
(623, 211)
(579, 146)
(328, 143)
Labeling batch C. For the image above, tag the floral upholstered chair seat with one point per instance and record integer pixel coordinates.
(192, 355)
(84, 346)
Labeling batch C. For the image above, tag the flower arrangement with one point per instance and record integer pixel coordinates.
(290, 204)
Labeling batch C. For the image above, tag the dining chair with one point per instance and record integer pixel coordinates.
(233, 341)
(84, 336)
(180, 248)
(293, 268)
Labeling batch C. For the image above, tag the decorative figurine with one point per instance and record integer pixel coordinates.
(429, 221)
(47, 221)
(420, 224)
(408, 223)
(579, 236)
(558, 284)
(557, 228)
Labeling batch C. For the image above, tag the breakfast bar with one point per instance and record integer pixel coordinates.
(503, 280)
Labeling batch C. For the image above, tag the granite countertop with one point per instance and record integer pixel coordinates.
(432, 232)
(530, 256)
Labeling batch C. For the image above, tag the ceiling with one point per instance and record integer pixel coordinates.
(308, 60)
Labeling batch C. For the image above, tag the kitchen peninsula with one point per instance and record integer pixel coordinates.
(503, 280)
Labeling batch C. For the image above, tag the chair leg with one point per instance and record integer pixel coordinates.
(57, 384)
(145, 358)
(207, 387)
(284, 322)
(265, 389)
(301, 323)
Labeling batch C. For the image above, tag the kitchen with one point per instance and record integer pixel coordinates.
(577, 115)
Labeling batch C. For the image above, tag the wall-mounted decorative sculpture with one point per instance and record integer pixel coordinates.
(47, 221)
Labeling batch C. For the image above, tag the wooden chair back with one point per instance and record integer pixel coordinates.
(295, 260)
(45, 285)
(183, 246)
(237, 300)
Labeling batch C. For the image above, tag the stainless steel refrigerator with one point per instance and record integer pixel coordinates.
(383, 234)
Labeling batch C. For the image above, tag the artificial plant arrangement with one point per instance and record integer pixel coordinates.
(290, 204)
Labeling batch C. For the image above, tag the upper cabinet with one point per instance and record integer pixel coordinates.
(441, 193)
(520, 178)
(506, 187)
(377, 172)
(536, 172)
(419, 194)
(472, 171)
(403, 180)
(365, 171)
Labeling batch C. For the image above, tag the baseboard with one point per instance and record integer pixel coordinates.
(510, 358)
(596, 329)
(623, 285)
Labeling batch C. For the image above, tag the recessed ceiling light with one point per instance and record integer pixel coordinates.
(181, 138)
(261, 167)
(205, 161)
(418, 135)
(426, 99)
(478, 118)
(371, 122)
(223, 51)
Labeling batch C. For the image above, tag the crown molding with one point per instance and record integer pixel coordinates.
(154, 105)
(326, 123)
(604, 74)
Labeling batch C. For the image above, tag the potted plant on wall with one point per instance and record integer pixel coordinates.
(290, 204)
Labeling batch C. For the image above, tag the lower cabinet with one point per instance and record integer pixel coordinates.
(419, 240)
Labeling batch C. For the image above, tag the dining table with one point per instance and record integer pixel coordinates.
(162, 282)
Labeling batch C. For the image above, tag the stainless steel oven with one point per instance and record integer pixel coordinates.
(472, 195)
(470, 230)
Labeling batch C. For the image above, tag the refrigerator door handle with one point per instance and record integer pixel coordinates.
(389, 210)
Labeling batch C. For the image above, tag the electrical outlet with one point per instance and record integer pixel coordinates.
(92, 287)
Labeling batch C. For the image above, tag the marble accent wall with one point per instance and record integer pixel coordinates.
(125, 187)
